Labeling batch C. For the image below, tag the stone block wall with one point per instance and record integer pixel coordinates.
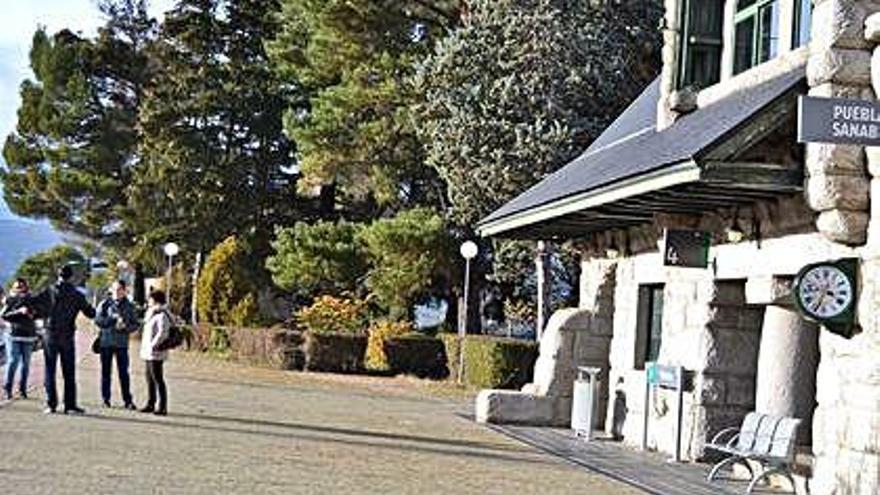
(846, 425)
(839, 66)
(708, 329)
(573, 337)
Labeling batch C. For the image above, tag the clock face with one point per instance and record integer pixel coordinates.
(825, 291)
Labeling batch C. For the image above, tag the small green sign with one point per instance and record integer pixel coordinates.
(686, 248)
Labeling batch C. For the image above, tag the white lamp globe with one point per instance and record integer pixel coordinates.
(171, 249)
(468, 249)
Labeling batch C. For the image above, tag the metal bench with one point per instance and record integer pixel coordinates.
(770, 440)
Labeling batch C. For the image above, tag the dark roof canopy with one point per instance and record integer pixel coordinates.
(631, 159)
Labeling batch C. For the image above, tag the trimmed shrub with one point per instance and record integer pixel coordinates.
(330, 314)
(450, 344)
(335, 352)
(492, 362)
(419, 355)
(376, 358)
(276, 348)
(224, 283)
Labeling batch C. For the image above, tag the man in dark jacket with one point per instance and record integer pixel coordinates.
(116, 318)
(18, 311)
(65, 302)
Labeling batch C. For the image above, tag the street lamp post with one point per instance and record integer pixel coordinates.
(171, 250)
(468, 251)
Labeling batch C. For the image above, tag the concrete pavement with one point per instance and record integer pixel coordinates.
(235, 429)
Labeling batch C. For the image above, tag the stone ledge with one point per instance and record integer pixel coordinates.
(769, 290)
(514, 407)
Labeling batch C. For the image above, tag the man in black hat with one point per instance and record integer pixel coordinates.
(65, 302)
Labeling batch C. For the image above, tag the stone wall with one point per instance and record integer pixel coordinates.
(708, 329)
(712, 319)
(573, 337)
(839, 66)
(846, 425)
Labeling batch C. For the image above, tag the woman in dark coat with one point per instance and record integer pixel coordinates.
(18, 311)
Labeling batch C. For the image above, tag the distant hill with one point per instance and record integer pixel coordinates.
(20, 239)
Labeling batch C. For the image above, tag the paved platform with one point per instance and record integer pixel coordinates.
(651, 472)
(236, 429)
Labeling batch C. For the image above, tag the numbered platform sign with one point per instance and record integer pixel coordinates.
(686, 248)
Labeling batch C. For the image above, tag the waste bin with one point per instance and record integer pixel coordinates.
(585, 398)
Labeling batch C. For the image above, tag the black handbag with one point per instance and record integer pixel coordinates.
(96, 344)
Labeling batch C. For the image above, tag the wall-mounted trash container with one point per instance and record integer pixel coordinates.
(584, 401)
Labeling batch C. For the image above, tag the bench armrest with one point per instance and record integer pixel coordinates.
(718, 439)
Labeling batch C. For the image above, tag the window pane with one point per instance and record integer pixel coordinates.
(803, 21)
(655, 331)
(769, 37)
(704, 66)
(745, 31)
(702, 41)
(744, 4)
(706, 19)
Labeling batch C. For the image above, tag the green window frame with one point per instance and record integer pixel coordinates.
(756, 33)
(803, 18)
(702, 24)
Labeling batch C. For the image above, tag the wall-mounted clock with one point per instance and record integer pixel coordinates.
(826, 292)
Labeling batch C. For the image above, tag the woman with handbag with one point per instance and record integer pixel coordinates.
(22, 335)
(116, 319)
(157, 327)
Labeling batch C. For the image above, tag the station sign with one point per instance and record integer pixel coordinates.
(837, 120)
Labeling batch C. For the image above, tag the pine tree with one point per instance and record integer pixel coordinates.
(216, 162)
(72, 153)
(354, 57)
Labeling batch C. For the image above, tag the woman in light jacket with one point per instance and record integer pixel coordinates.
(156, 329)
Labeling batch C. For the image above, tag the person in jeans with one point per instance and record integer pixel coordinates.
(22, 335)
(64, 303)
(116, 319)
(156, 329)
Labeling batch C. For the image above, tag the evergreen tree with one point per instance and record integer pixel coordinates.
(215, 160)
(524, 86)
(354, 57)
(72, 153)
(517, 91)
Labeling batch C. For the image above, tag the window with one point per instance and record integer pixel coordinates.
(803, 17)
(649, 324)
(702, 24)
(756, 28)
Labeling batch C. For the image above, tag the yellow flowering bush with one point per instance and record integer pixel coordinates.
(380, 332)
(330, 314)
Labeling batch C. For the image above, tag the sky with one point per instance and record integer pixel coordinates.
(18, 22)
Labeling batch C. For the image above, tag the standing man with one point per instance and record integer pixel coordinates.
(116, 319)
(65, 302)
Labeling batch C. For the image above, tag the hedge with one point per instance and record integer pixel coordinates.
(335, 352)
(277, 348)
(492, 362)
(424, 357)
